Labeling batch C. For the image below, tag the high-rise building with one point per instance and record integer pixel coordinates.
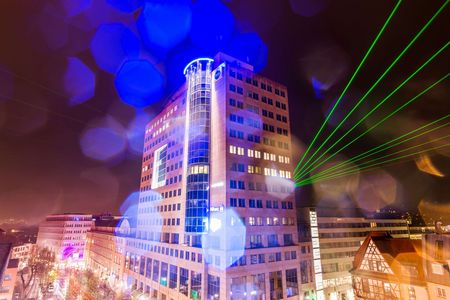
(65, 235)
(216, 217)
(335, 235)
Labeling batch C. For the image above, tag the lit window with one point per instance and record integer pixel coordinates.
(259, 221)
(250, 153)
(266, 156)
(251, 169)
(281, 158)
(240, 151)
(232, 149)
(257, 154)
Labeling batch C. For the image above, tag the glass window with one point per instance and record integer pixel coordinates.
(238, 288)
(213, 287)
(155, 276)
(291, 283)
(196, 285)
(258, 287)
(164, 271)
(276, 287)
(184, 281)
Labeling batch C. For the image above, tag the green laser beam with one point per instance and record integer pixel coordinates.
(368, 130)
(305, 182)
(357, 168)
(375, 108)
(389, 155)
(382, 147)
(299, 176)
(374, 85)
(350, 81)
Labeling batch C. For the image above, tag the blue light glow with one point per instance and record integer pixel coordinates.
(102, 143)
(308, 8)
(129, 206)
(72, 8)
(112, 44)
(196, 60)
(318, 87)
(177, 61)
(212, 24)
(79, 81)
(163, 25)
(139, 83)
(126, 6)
(225, 225)
(135, 132)
(250, 48)
(99, 13)
(53, 29)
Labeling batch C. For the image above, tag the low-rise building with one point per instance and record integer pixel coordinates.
(335, 235)
(23, 253)
(65, 235)
(105, 248)
(8, 271)
(436, 257)
(389, 268)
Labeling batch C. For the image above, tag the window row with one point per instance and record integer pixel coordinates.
(271, 128)
(270, 114)
(258, 203)
(257, 154)
(255, 96)
(259, 186)
(162, 119)
(254, 82)
(256, 240)
(161, 208)
(270, 221)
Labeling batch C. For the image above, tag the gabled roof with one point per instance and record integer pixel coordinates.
(397, 253)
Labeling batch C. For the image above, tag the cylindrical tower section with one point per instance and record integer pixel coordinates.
(198, 99)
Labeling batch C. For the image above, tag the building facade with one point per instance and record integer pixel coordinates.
(216, 217)
(8, 271)
(436, 261)
(105, 249)
(22, 253)
(335, 235)
(389, 268)
(65, 235)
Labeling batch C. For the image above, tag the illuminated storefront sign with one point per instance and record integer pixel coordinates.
(316, 254)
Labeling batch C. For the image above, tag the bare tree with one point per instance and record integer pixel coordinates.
(40, 263)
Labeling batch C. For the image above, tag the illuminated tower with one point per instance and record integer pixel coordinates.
(216, 217)
(198, 132)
